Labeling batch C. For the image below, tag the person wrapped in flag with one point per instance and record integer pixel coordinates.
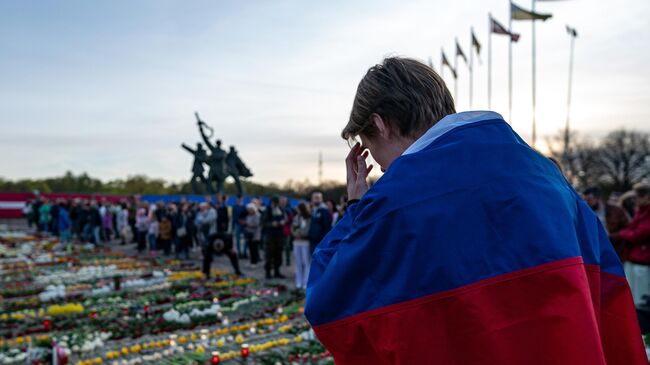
(472, 248)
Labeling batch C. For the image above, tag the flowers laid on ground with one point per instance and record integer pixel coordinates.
(91, 307)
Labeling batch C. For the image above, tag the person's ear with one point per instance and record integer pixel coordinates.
(380, 124)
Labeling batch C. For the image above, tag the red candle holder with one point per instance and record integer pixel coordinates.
(47, 324)
(215, 358)
(93, 314)
(244, 350)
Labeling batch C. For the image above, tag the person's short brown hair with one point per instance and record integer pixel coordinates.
(406, 93)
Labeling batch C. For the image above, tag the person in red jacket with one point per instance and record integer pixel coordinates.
(637, 238)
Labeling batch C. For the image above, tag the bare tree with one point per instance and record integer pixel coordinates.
(624, 159)
(579, 162)
(618, 161)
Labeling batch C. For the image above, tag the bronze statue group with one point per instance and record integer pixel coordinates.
(221, 164)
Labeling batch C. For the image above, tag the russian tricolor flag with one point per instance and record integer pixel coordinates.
(472, 249)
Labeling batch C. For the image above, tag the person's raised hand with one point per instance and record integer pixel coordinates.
(357, 171)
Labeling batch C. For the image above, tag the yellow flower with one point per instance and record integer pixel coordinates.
(200, 349)
(239, 339)
(298, 339)
(221, 342)
(99, 360)
(125, 351)
(182, 339)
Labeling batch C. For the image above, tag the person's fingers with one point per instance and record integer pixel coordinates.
(369, 169)
(361, 167)
(353, 152)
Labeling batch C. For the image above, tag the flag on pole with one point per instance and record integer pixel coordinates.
(571, 31)
(497, 28)
(518, 13)
(459, 52)
(476, 44)
(445, 62)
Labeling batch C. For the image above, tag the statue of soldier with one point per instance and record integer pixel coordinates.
(200, 157)
(216, 161)
(237, 168)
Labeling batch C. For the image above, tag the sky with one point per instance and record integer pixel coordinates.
(110, 87)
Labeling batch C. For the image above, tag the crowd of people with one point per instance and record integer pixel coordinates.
(626, 218)
(282, 231)
(239, 231)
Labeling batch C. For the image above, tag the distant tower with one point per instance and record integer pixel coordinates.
(320, 168)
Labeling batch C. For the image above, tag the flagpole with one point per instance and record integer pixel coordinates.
(510, 69)
(456, 78)
(442, 65)
(490, 62)
(471, 69)
(568, 104)
(534, 80)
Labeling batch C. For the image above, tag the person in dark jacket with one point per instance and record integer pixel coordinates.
(183, 224)
(238, 212)
(64, 227)
(222, 214)
(321, 220)
(274, 219)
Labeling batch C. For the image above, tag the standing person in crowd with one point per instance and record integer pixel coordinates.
(612, 217)
(28, 213)
(223, 221)
(321, 220)
(183, 222)
(165, 230)
(141, 228)
(253, 232)
(153, 231)
(334, 210)
(65, 227)
(54, 217)
(286, 229)
(239, 212)
(636, 237)
(36, 213)
(44, 216)
(206, 223)
(85, 222)
(95, 222)
(300, 231)
(215, 242)
(274, 220)
(75, 217)
(107, 221)
(132, 206)
(122, 223)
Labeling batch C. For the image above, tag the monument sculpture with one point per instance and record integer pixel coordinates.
(220, 164)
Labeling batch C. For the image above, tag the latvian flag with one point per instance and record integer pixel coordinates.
(497, 28)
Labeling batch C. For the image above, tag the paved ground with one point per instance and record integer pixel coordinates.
(222, 263)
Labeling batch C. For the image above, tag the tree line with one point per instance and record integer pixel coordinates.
(615, 163)
(141, 184)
